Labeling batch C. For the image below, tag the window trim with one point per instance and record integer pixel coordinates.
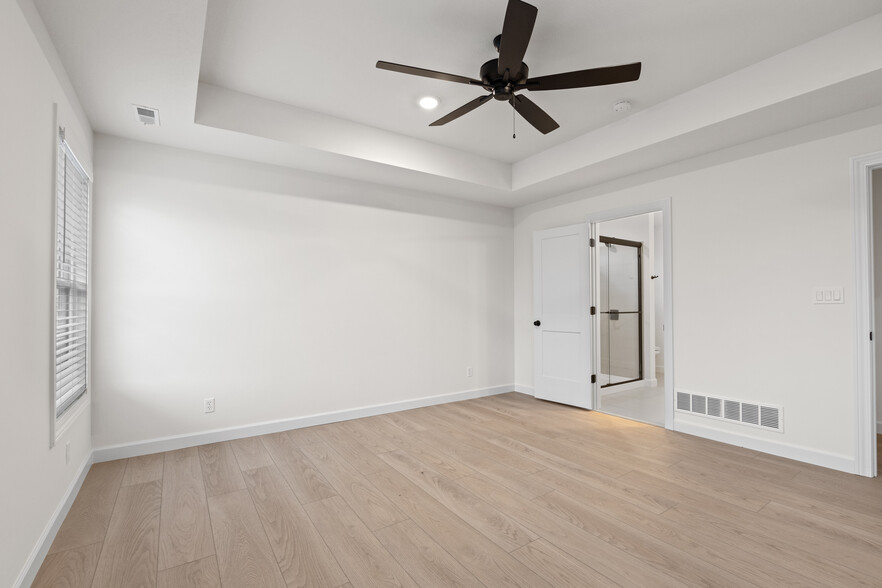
(60, 423)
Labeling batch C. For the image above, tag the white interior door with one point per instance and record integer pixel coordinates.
(561, 340)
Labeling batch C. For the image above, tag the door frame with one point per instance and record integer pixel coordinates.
(865, 356)
(593, 219)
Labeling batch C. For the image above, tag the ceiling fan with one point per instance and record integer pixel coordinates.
(508, 74)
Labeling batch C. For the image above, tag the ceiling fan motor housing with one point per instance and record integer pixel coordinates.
(502, 88)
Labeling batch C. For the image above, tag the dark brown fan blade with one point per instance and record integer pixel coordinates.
(533, 114)
(464, 109)
(599, 76)
(428, 73)
(516, 31)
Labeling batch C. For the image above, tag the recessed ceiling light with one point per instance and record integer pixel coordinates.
(429, 102)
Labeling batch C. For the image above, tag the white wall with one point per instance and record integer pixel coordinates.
(283, 294)
(877, 284)
(36, 478)
(751, 238)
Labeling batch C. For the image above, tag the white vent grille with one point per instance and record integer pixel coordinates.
(747, 413)
(146, 115)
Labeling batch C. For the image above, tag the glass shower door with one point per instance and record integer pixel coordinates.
(621, 311)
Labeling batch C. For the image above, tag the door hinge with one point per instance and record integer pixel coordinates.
(591, 242)
(593, 310)
(593, 378)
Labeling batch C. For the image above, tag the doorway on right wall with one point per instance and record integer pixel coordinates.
(630, 287)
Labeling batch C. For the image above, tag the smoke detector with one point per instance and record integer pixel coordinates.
(146, 115)
(622, 106)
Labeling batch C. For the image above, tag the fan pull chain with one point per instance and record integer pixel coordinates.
(513, 133)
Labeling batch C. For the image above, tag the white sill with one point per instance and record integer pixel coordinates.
(65, 421)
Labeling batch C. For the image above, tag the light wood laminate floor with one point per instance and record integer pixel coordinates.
(499, 491)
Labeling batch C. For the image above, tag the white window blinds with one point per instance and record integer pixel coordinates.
(71, 278)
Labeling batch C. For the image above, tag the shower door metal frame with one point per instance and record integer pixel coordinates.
(639, 312)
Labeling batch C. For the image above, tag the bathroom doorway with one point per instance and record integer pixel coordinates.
(629, 291)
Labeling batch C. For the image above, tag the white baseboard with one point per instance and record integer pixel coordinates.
(834, 461)
(35, 560)
(524, 389)
(149, 446)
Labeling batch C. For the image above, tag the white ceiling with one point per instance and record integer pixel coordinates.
(294, 83)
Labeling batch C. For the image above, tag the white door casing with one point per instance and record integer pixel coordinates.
(562, 340)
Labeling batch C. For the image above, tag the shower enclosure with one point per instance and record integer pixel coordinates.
(621, 311)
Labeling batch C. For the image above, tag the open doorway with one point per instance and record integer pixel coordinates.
(629, 278)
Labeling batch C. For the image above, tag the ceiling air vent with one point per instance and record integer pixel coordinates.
(746, 413)
(146, 115)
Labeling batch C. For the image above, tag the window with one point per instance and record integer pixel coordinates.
(71, 278)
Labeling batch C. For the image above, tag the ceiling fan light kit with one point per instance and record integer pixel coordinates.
(508, 74)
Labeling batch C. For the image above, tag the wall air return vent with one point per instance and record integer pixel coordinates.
(146, 115)
(746, 413)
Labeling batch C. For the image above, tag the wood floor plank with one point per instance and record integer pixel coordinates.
(374, 509)
(144, 468)
(457, 443)
(616, 564)
(683, 487)
(721, 553)
(677, 563)
(541, 450)
(756, 535)
(497, 466)
(401, 421)
(559, 568)
(303, 436)
(301, 474)
(577, 482)
(73, 568)
(428, 453)
(198, 574)
(185, 529)
(361, 458)
(484, 559)
(361, 555)
(496, 491)
(220, 470)
(301, 553)
(130, 552)
(250, 453)
(86, 522)
(494, 524)
(426, 561)
(244, 556)
(364, 431)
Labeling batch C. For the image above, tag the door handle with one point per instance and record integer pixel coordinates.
(536, 323)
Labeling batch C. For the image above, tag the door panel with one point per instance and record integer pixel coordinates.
(561, 342)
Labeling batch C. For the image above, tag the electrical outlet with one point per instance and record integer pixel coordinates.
(470, 371)
(209, 404)
(67, 452)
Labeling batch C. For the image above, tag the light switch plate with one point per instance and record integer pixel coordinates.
(828, 295)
